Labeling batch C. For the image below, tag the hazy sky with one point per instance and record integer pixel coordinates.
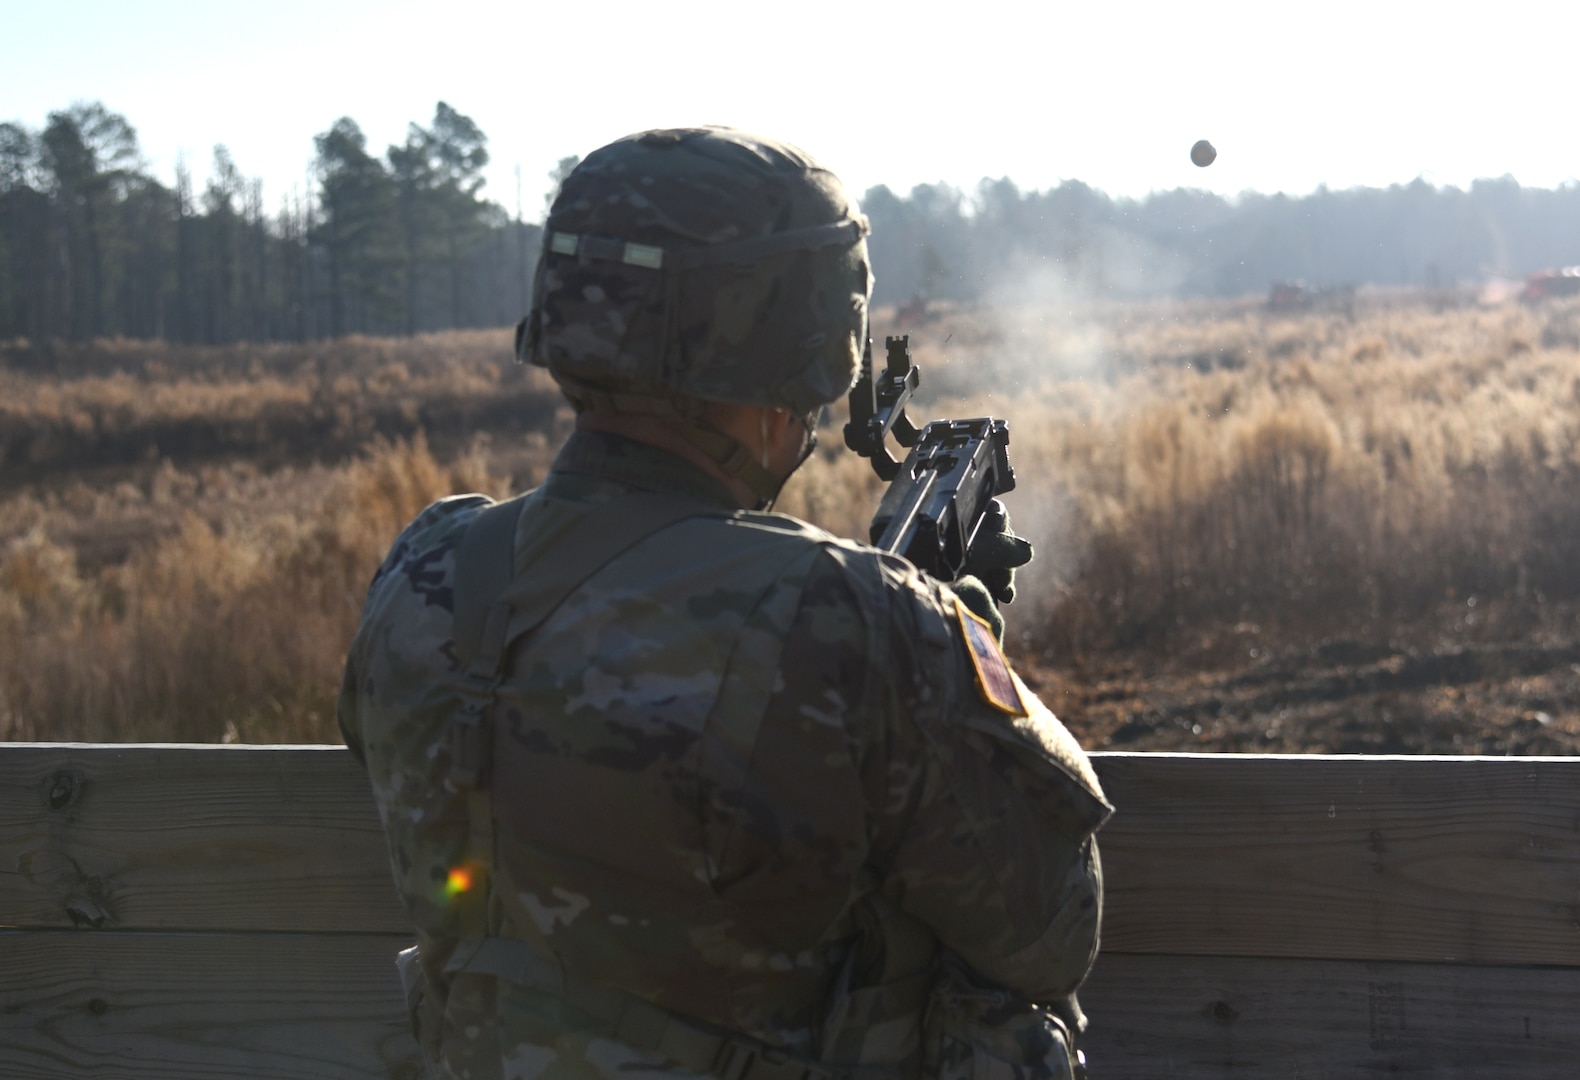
(1292, 94)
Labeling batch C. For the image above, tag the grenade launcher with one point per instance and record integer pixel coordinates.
(949, 483)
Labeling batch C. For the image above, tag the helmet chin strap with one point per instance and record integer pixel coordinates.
(737, 461)
(734, 459)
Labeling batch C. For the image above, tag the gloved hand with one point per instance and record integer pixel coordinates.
(995, 553)
(990, 568)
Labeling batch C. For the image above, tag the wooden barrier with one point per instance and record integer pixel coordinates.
(197, 912)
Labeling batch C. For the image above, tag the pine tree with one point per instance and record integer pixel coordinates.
(359, 232)
(90, 158)
(459, 151)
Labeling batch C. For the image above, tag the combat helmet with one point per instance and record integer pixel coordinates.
(690, 265)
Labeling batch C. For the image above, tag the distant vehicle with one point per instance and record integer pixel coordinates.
(914, 312)
(1288, 296)
(1298, 296)
(1546, 284)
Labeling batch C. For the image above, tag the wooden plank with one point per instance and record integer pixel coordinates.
(171, 1006)
(206, 837)
(1410, 859)
(164, 1006)
(1472, 860)
(1174, 1018)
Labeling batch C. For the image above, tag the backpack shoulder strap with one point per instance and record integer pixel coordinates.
(486, 582)
(493, 607)
(484, 565)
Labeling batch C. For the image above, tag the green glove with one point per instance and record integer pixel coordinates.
(974, 595)
(995, 553)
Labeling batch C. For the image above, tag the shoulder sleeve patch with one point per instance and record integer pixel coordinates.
(995, 682)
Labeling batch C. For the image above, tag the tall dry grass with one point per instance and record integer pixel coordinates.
(1187, 472)
(212, 634)
(1376, 477)
(66, 406)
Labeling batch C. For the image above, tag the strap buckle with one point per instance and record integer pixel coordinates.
(469, 757)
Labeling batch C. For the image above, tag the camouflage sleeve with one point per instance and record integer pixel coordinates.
(984, 819)
(396, 697)
(418, 559)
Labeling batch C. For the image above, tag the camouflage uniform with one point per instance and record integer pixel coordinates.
(762, 803)
(705, 761)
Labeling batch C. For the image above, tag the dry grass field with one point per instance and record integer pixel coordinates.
(1328, 531)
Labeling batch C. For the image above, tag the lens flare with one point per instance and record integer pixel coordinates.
(459, 881)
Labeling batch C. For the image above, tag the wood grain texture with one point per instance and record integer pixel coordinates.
(1407, 859)
(1467, 860)
(1267, 917)
(205, 838)
(1189, 1018)
(171, 1006)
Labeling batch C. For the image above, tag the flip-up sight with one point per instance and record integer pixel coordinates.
(877, 406)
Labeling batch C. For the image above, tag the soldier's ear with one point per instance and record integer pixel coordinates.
(527, 336)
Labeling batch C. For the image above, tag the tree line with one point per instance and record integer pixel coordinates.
(999, 241)
(93, 245)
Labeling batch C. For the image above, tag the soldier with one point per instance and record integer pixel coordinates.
(675, 785)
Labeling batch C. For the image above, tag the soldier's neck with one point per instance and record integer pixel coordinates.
(656, 431)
